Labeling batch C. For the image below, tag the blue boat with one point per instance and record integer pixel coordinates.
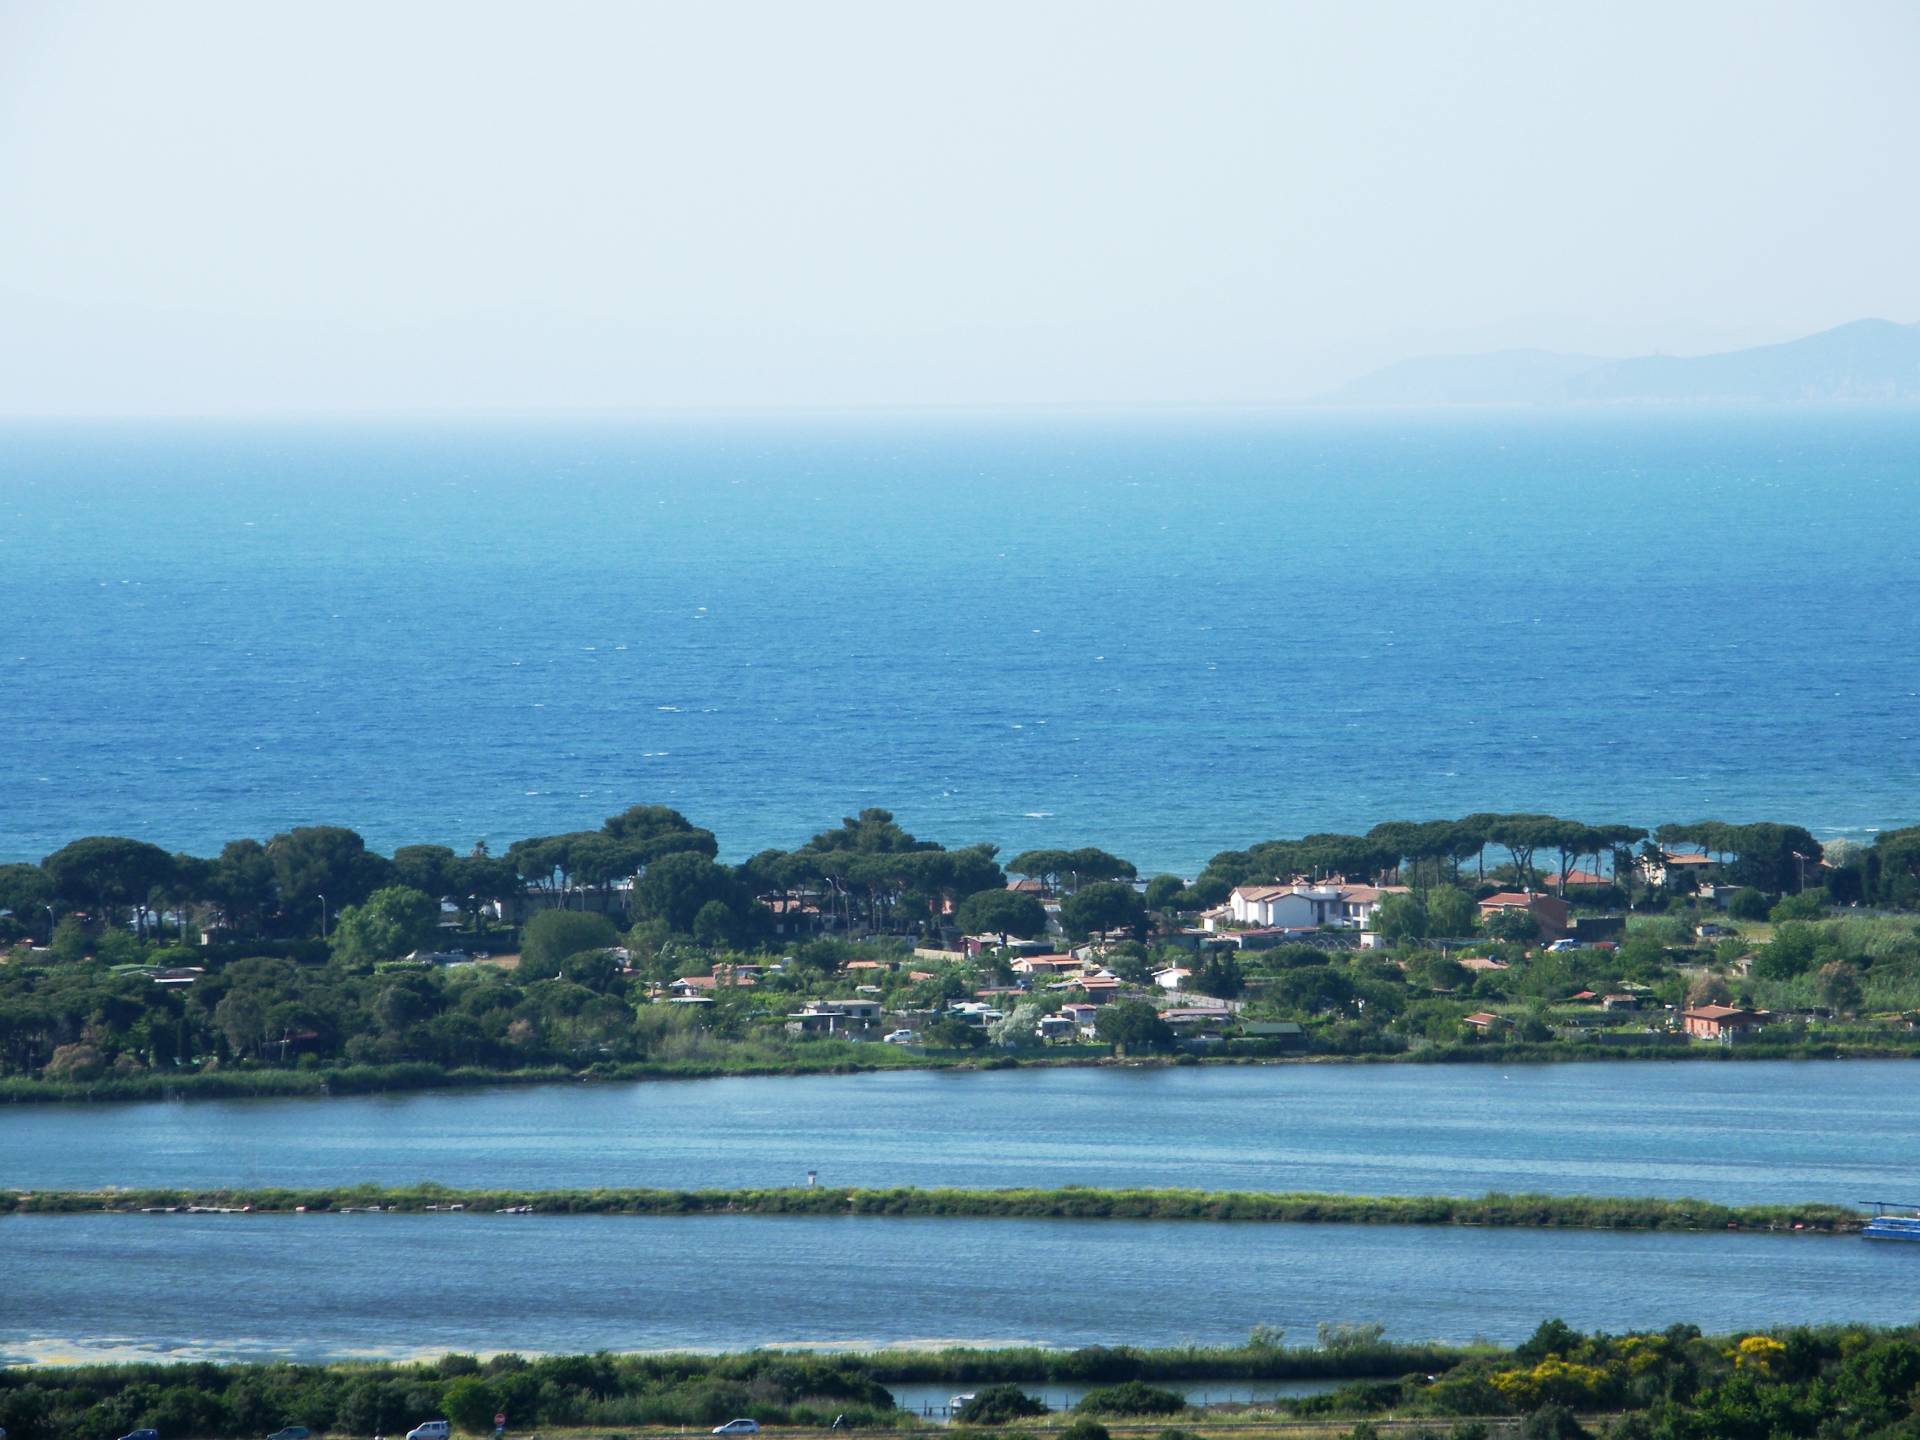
(1891, 1227)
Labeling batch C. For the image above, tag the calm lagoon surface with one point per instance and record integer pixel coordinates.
(1169, 635)
(333, 1286)
(1734, 1131)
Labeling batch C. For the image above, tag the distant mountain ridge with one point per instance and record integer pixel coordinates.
(1867, 360)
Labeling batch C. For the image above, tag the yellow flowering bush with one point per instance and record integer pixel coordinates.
(1554, 1381)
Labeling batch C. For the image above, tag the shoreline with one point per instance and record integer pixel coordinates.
(1492, 1211)
(350, 1080)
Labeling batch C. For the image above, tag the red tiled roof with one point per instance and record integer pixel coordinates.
(1720, 1012)
(1577, 877)
(1367, 894)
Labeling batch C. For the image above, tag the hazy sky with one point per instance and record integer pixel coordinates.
(210, 207)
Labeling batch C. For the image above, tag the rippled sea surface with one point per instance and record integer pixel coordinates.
(1165, 636)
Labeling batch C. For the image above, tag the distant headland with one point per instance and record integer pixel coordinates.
(1867, 360)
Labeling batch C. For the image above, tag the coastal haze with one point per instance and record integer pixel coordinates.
(230, 209)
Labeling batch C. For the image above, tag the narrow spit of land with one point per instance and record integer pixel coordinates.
(251, 1083)
(1586, 1212)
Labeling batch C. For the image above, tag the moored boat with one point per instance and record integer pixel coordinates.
(1891, 1227)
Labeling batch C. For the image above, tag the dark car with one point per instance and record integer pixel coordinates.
(141, 1435)
(290, 1432)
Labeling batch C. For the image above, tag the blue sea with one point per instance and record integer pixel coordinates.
(1165, 635)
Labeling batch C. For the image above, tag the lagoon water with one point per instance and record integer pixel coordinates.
(1166, 635)
(333, 1286)
(1737, 1132)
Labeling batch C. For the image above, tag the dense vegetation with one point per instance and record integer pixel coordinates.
(170, 974)
(1827, 1383)
(1557, 1211)
(216, 1401)
(1835, 1383)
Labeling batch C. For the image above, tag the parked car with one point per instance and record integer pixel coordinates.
(738, 1427)
(141, 1435)
(900, 1037)
(430, 1430)
(1561, 946)
(290, 1432)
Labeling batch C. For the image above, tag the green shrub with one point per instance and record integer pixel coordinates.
(1131, 1397)
(997, 1404)
(1810, 906)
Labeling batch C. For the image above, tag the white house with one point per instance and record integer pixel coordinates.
(1173, 978)
(835, 1017)
(1303, 905)
(975, 1013)
(1285, 907)
(1359, 902)
(1082, 1016)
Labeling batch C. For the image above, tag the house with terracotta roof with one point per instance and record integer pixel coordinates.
(1577, 879)
(1724, 1023)
(1676, 867)
(1487, 1023)
(795, 914)
(707, 984)
(1098, 988)
(1552, 914)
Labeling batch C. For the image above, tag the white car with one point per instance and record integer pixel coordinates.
(1561, 946)
(430, 1430)
(900, 1037)
(738, 1427)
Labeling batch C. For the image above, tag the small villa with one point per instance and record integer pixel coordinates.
(1723, 1023)
(1302, 905)
(1552, 914)
(1048, 965)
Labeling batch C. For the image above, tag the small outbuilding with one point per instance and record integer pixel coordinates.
(1723, 1022)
